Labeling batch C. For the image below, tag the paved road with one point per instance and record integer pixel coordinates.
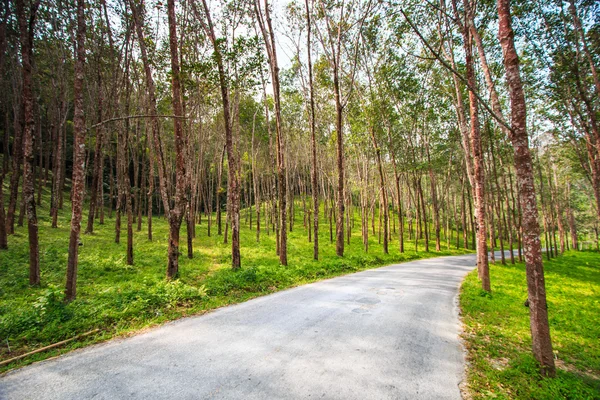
(388, 333)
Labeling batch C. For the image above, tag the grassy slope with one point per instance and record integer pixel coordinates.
(118, 298)
(498, 338)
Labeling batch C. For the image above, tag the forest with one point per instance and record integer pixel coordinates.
(203, 140)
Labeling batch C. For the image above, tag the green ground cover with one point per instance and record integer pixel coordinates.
(119, 299)
(498, 340)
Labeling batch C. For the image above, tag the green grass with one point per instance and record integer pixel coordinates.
(498, 339)
(119, 299)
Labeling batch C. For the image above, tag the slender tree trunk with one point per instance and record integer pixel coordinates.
(434, 201)
(125, 180)
(255, 183)
(156, 152)
(478, 166)
(150, 193)
(5, 151)
(571, 220)
(425, 224)
(15, 176)
(176, 213)
(339, 225)
(384, 200)
(538, 310)
(63, 168)
(268, 33)
(56, 173)
(141, 191)
(233, 192)
(313, 140)
(3, 233)
(77, 186)
(26, 26)
(218, 193)
(97, 161)
(558, 209)
(40, 185)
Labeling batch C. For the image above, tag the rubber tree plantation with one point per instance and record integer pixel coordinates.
(164, 152)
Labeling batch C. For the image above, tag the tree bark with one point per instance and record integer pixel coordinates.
(398, 196)
(176, 213)
(15, 176)
(538, 310)
(78, 156)
(233, 182)
(382, 188)
(26, 28)
(97, 161)
(478, 167)
(268, 34)
(313, 140)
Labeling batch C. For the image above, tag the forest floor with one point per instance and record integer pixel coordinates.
(498, 340)
(120, 299)
(387, 333)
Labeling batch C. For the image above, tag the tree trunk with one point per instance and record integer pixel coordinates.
(97, 161)
(26, 26)
(125, 180)
(268, 33)
(384, 200)
(176, 213)
(538, 310)
(15, 169)
(478, 166)
(77, 186)
(571, 220)
(434, 200)
(233, 182)
(3, 234)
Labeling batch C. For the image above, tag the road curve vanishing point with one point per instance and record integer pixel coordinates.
(386, 333)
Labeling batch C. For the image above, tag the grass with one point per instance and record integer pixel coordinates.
(498, 339)
(120, 299)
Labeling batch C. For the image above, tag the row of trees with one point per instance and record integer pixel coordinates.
(418, 118)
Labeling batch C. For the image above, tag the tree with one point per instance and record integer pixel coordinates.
(313, 139)
(269, 40)
(233, 193)
(475, 146)
(337, 32)
(177, 211)
(26, 29)
(538, 309)
(77, 190)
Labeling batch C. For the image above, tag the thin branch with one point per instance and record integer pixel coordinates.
(134, 117)
(455, 72)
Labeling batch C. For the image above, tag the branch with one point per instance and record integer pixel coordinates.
(437, 55)
(134, 117)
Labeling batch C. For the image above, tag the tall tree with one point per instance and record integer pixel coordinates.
(476, 148)
(178, 209)
(313, 136)
(5, 139)
(233, 183)
(77, 189)
(538, 309)
(26, 30)
(97, 172)
(266, 26)
(334, 44)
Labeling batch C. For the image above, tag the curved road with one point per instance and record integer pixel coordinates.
(387, 333)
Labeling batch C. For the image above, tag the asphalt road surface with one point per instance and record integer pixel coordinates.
(387, 333)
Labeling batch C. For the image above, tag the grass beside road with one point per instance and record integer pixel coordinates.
(117, 298)
(498, 339)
